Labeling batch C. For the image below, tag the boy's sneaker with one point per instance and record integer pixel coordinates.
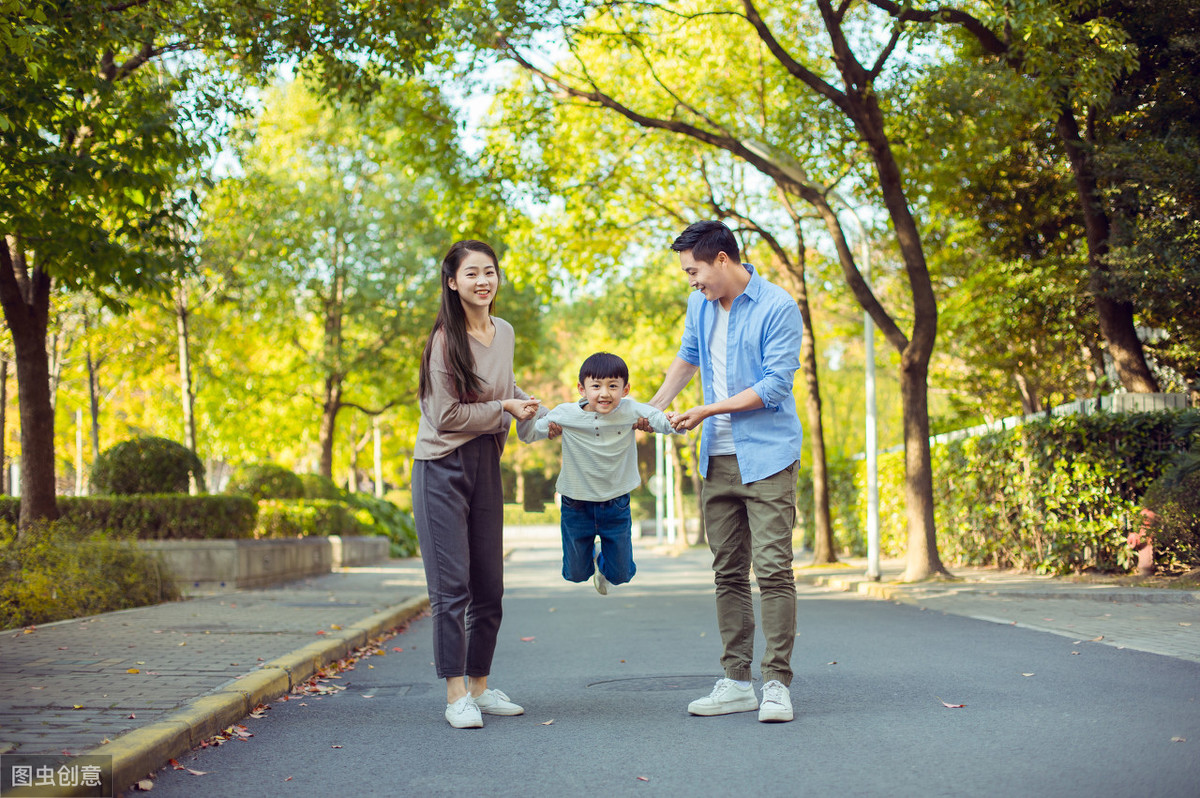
(464, 714)
(598, 578)
(495, 702)
(776, 703)
(726, 698)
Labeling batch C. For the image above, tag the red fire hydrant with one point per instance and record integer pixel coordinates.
(1141, 541)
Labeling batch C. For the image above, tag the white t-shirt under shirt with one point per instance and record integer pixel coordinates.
(722, 428)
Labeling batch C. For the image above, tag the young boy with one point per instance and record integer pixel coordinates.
(599, 469)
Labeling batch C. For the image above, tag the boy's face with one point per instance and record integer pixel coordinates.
(603, 394)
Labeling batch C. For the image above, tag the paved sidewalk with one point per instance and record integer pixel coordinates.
(1161, 621)
(148, 684)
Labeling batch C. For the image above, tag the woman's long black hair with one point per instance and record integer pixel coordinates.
(453, 320)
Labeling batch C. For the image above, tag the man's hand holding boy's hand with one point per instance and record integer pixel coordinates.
(689, 419)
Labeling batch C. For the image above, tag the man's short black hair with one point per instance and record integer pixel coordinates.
(705, 240)
(603, 366)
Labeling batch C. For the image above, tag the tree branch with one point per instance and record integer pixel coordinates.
(952, 16)
(793, 67)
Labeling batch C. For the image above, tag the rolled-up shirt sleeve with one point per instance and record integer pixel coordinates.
(782, 336)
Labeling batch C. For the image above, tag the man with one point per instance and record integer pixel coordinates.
(743, 335)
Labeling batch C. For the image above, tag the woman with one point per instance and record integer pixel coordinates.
(468, 400)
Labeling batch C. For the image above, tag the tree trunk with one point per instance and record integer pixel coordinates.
(1116, 317)
(3, 423)
(922, 559)
(330, 405)
(863, 109)
(94, 401)
(26, 300)
(182, 317)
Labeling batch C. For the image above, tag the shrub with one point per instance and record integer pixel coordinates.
(146, 465)
(1055, 495)
(317, 486)
(284, 518)
(266, 481)
(51, 574)
(172, 516)
(382, 517)
(1175, 501)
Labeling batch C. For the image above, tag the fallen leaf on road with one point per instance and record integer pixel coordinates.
(642, 778)
(132, 716)
(320, 631)
(1181, 623)
(335, 746)
(951, 706)
(397, 649)
(173, 763)
(547, 723)
(197, 772)
(28, 630)
(133, 670)
(335, 627)
(289, 778)
(184, 643)
(832, 663)
(369, 696)
(1026, 674)
(1075, 653)
(77, 706)
(145, 785)
(1179, 739)
(526, 639)
(1097, 639)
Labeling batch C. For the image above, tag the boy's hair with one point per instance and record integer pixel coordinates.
(603, 366)
(705, 240)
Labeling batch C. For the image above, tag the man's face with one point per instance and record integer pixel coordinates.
(603, 394)
(709, 279)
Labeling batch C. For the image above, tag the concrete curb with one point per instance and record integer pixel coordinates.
(913, 592)
(141, 752)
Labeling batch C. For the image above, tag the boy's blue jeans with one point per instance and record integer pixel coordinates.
(582, 523)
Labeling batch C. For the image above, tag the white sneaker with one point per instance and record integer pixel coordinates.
(464, 714)
(776, 703)
(598, 578)
(495, 702)
(726, 698)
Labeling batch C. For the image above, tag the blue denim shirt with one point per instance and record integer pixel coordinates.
(763, 353)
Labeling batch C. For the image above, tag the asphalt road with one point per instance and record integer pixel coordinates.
(606, 682)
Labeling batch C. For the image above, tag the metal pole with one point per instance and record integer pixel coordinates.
(873, 570)
(658, 493)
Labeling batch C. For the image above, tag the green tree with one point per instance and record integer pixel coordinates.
(103, 106)
(646, 63)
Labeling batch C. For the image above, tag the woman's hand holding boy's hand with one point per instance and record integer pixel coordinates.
(521, 409)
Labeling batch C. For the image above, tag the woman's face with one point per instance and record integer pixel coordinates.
(476, 280)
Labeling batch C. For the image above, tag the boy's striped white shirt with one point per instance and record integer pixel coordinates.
(599, 458)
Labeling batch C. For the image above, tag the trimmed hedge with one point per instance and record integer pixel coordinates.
(146, 465)
(288, 518)
(1055, 495)
(172, 516)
